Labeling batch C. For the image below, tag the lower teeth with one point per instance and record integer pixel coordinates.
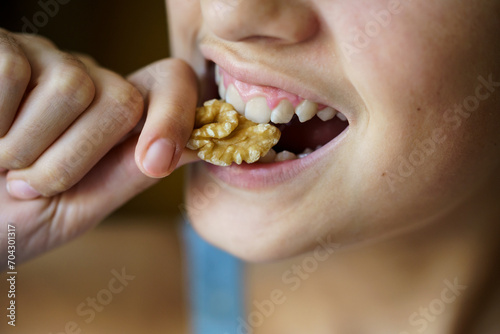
(272, 156)
(304, 154)
(269, 157)
(285, 155)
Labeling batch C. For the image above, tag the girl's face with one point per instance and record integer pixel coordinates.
(418, 82)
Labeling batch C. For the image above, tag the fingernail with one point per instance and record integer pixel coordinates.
(22, 190)
(159, 157)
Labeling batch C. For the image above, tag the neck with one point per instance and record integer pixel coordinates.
(426, 281)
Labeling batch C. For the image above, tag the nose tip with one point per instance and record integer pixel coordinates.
(286, 21)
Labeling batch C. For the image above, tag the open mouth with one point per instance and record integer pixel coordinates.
(305, 125)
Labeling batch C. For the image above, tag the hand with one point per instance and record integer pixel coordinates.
(68, 156)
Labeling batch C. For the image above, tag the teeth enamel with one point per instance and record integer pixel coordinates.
(305, 153)
(341, 116)
(269, 157)
(258, 111)
(327, 114)
(233, 97)
(272, 156)
(285, 155)
(283, 113)
(306, 110)
(222, 89)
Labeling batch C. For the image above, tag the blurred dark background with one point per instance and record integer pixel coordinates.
(121, 35)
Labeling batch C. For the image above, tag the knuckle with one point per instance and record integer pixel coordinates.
(14, 66)
(126, 102)
(42, 40)
(73, 82)
(45, 41)
(32, 39)
(86, 59)
(71, 60)
(8, 41)
(38, 39)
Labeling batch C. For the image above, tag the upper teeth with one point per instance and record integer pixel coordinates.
(306, 110)
(233, 97)
(257, 110)
(283, 113)
(327, 114)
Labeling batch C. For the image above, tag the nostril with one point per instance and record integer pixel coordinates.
(260, 20)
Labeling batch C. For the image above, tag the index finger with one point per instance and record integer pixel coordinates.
(15, 74)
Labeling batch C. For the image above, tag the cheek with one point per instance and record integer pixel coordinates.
(427, 51)
(424, 141)
(184, 22)
(413, 154)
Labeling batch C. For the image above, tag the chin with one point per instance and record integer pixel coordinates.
(262, 225)
(255, 226)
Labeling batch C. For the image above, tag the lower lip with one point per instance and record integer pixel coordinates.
(260, 175)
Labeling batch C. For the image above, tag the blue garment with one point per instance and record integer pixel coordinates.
(215, 286)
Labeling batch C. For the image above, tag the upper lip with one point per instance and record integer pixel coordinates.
(261, 75)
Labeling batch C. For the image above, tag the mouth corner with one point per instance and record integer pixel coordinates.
(208, 85)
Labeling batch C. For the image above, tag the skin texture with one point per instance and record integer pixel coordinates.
(420, 213)
(69, 129)
(403, 216)
(395, 91)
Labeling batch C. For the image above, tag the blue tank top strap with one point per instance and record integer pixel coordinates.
(215, 286)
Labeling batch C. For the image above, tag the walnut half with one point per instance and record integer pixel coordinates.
(222, 136)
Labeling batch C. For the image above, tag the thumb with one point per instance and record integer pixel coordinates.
(169, 88)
